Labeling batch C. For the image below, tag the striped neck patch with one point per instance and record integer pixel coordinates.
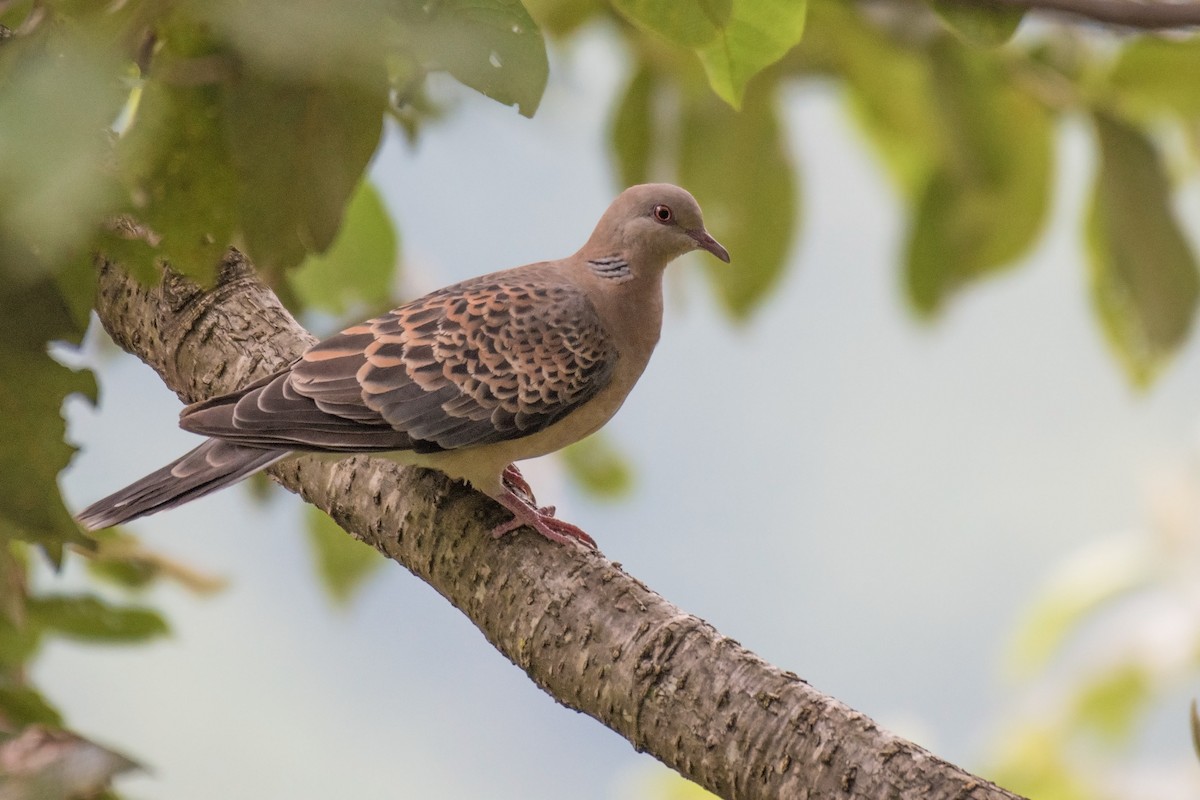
(613, 268)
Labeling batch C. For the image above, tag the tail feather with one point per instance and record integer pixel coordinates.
(211, 466)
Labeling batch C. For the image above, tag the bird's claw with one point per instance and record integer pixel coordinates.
(541, 520)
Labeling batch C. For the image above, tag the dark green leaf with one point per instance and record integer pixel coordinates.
(343, 563)
(690, 24)
(88, 618)
(299, 151)
(632, 129)
(1143, 272)
(1147, 74)
(984, 203)
(978, 21)
(32, 389)
(736, 165)
(1194, 723)
(493, 46)
(22, 705)
(360, 268)
(18, 643)
(598, 466)
(758, 33)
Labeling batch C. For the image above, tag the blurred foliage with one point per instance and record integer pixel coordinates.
(228, 122)
(343, 564)
(1111, 639)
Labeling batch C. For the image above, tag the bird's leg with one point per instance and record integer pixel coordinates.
(541, 520)
(513, 479)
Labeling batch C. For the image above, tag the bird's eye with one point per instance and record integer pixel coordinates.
(663, 213)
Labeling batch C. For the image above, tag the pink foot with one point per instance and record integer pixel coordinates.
(513, 479)
(541, 520)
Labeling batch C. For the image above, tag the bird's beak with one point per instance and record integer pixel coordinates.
(706, 242)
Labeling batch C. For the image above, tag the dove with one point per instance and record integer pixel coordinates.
(468, 379)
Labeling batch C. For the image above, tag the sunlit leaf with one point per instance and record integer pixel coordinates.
(32, 389)
(889, 89)
(985, 201)
(979, 22)
(1034, 762)
(23, 705)
(598, 466)
(1110, 702)
(1078, 589)
(757, 34)
(632, 130)
(88, 618)
(1146, 75)
(59, 93)
(752, 210)
(343, 563)
(299, 151)
(690, 24)
(360, 268)
(493, 46)
(1143, 272)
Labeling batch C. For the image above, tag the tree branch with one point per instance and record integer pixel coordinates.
(1150, 15)
(593, 637)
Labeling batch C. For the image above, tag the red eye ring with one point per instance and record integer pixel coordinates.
(663, 213)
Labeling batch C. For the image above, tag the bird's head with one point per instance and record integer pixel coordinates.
(651, 225)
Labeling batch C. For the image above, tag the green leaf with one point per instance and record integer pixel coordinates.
(492, 46)
(598, 466)
(18, 644)
(32, 389)
(691, 23)
(360, 268)
(736, 165)
(343, 563)
(1111, 702)
(176, 165)
(632, 130)
(1147, 73)
(978, 22)
(299, 150)
(889, 90)
(561, 18)
(758, 33)
(985, 201)
(1194, 724)
(22, 705)
(59, 93)
(88, 618)
(1143, 272)
(1079, 589)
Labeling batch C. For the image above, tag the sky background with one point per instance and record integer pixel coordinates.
(865, 499)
